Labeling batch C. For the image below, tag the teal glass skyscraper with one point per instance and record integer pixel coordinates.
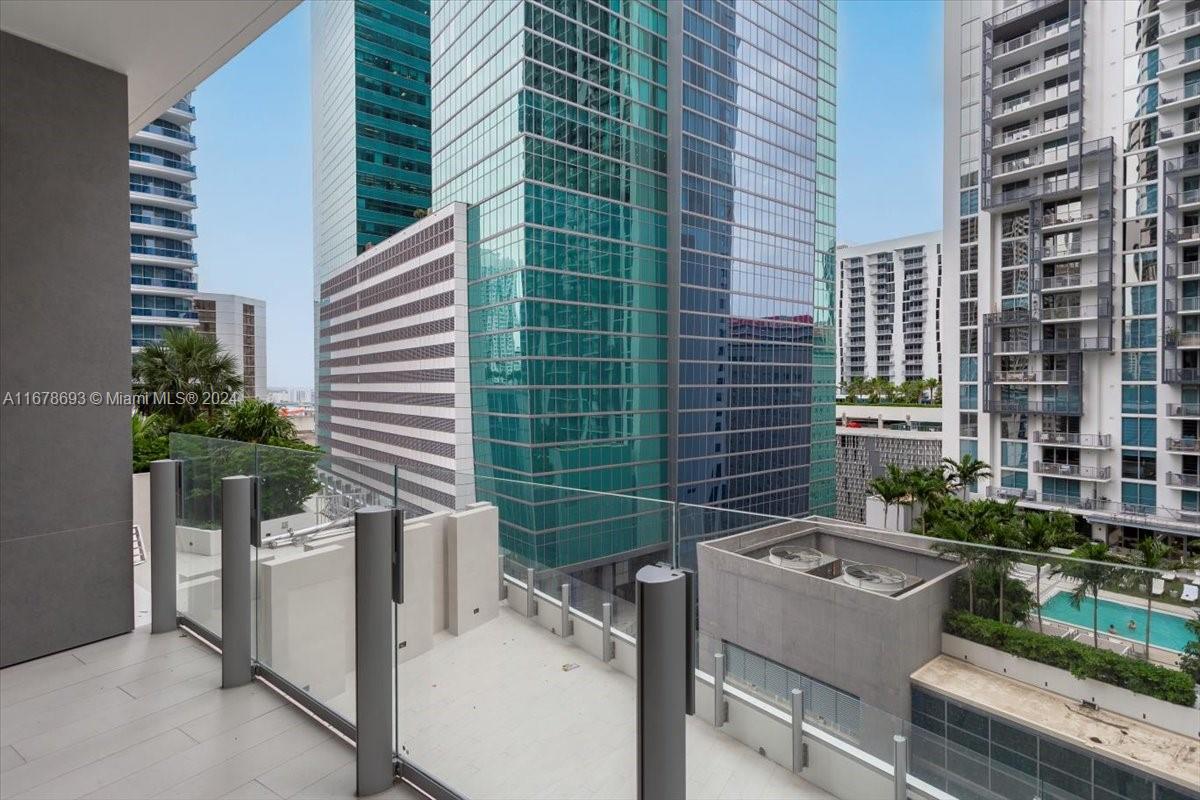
(650, 258)
(370, 124)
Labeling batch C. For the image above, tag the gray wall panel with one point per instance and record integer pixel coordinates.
(65, 494)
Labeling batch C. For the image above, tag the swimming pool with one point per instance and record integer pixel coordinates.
(1167, 631)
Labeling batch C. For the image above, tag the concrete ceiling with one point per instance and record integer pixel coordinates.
(165, 47)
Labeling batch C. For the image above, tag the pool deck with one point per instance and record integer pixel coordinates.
(1158, 752)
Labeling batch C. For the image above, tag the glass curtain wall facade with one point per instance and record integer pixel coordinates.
(756, 248)
(370, 124)
(613, 280)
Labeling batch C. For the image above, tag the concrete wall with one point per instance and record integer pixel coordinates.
(66, 569)
(1176, 718)
(856, 641)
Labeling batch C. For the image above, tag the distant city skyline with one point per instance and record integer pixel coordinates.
(255, 159)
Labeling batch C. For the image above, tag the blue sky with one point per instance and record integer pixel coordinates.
(254, 161)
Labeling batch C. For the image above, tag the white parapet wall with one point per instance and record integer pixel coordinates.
(1169, 716)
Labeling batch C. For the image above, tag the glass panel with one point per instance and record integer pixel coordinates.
(486, 677)
(304, 570)
(204, 463)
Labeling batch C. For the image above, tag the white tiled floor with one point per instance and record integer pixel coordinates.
(142, 716)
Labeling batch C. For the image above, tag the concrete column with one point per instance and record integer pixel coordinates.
(662, 644)
(377, 534)
(237, 508)
(164, 506)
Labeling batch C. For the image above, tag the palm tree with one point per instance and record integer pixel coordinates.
(1090, 573)
(1039, 533)
(931, 385)
(891, 487)
(927, 487)
(1002, 533)
(1152, 552)
(964, 526)
(184, 375)
(253, 420)
(855, 389)
(966, 471)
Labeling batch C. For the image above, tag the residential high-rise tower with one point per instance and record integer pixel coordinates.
(1072, 164)
(889, 309)
(162, 261)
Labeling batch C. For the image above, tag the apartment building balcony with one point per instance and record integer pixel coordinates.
(1181, 375)
(1051, 222)
(155, 135)
(1184, 306)
(1011, 493)
(1183, 165)
(1033, 73)
(1178, 63)
(181, 113)
(1020, 47)
(1183, 201)
(1083, 441)
(163, 286)
(1183, 410)
(1186, 444)
(1176, 98)
(1171, 31)
(1016, 347)
(1180, 133)
(1073, 313)
(1031, 133)
(1035, 100)
(1181, 269)
(161, 226)
(1181, 340)
(173, 169)
(167, 257)
(1072, 280)
(1183, 235)
(1069, 250)
(1073, 471)
(175, 199)
(1072, 345)
(1072, 407)
(1183, 480)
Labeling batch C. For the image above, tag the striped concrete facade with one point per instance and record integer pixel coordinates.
(393, 366)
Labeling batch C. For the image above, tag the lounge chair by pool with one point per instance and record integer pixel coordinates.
(1190, 593)
(1156, 586)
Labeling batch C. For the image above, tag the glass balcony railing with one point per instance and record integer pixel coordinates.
(171, 133)
(1188, 20)
(1181, 375)
(493, 644)
(1183, 444)
(1183, 410)
(1033, 37)
(162, 191)
(164, 283)
(1189, 91)
(162, 222)
(173, 163)
(1188, 56)
(167, 313)
(166, 252)
(1183, 479)
(184, 105)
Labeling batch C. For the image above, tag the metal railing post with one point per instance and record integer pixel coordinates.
(377, 535)
(720, 710)
(799, 750)
(530, 600)
(900, 770)
(607, 646)
(164, 508)
(663, 642)
(237, 510)
(503, 583)
(566, 627)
